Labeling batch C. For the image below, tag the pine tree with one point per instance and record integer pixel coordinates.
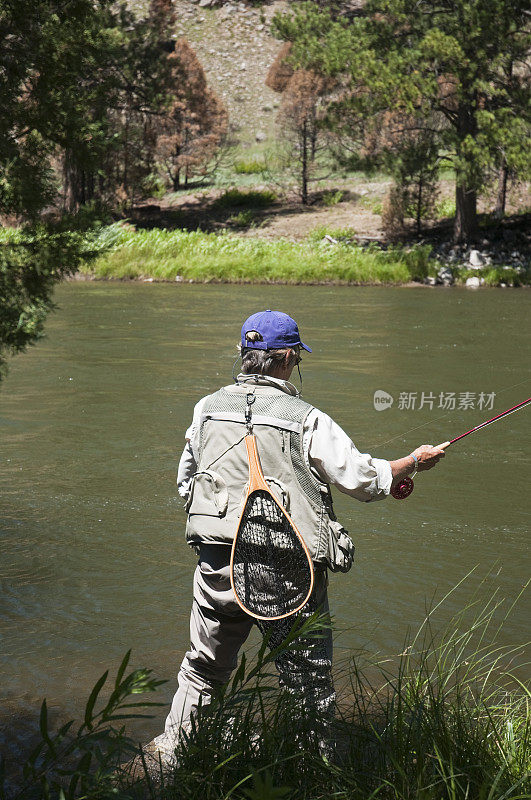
(281, 71)
(410, 154)
(120, 95)
(403, 55)
(49, 48)
(192, 130)
(299, 122)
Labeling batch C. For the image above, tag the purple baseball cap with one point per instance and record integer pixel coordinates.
(277, 330)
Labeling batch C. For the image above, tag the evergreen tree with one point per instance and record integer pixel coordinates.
(124, 95)
(32, 261)
(299, 118)
(409, 153)
(281, 70)
(49, 50)
(461, 59)
(50, 64)
(192, 130)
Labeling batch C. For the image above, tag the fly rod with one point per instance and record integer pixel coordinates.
(404, 488)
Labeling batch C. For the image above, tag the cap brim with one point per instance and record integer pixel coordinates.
(305, 347)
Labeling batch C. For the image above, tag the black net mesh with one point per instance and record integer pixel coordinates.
(271, 572)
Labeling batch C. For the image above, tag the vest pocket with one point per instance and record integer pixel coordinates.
(208, 496)
(340, 547)
(279, 491)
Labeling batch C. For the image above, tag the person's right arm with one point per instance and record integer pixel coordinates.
(337, 461)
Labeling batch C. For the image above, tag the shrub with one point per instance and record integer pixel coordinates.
(235, 198)
(243, 219)
(332, 198)
(418, 261)
(393, 210)
(252, 166)
(445, 208)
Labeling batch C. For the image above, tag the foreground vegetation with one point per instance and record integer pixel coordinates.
(182, 255)
(444, 720)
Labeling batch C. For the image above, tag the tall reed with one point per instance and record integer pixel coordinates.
(446, 719)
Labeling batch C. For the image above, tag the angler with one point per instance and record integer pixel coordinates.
(302, 452)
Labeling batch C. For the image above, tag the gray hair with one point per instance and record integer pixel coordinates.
(263, 362)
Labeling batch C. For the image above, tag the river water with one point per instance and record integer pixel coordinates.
(92, 419)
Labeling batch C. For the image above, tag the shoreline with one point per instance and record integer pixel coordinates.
(87, 277)
(183, 256)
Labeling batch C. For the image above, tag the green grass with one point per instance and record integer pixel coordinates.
(444, 720)
(126, 253)
(495, 276)
(225, 257)
(228, 258)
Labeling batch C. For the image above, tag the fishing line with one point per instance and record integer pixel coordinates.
(438, 419)
(224, 453)
(234, 378)
(300, 377)
(404, 487)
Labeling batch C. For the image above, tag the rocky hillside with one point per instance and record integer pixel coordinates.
(236, 49)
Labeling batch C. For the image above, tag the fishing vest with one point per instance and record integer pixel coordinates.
(218, 488)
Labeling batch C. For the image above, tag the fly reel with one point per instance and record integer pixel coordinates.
(403, 489)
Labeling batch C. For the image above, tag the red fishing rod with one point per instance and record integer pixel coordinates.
(404, 488)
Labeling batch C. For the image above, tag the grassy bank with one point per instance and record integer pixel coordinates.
(210, 257)
(182, 255)
(443, 720)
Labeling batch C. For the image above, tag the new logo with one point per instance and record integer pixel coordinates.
(382, 400)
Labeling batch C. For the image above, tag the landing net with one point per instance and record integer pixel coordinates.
(272, 574)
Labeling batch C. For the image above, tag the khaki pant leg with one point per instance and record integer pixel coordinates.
(306, 672)
(218, 629)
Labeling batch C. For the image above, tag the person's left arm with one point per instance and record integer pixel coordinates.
(189, 458)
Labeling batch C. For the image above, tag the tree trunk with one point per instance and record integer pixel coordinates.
(126, 153)
(304, 165)
(176, 180)
(72, 183)
(90, 186)
(465, 225)
(499, 209)
(419, 207)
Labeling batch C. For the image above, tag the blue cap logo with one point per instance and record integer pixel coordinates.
(276, 330)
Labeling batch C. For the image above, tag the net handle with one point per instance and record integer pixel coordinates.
(257, 481)
(256, 476)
